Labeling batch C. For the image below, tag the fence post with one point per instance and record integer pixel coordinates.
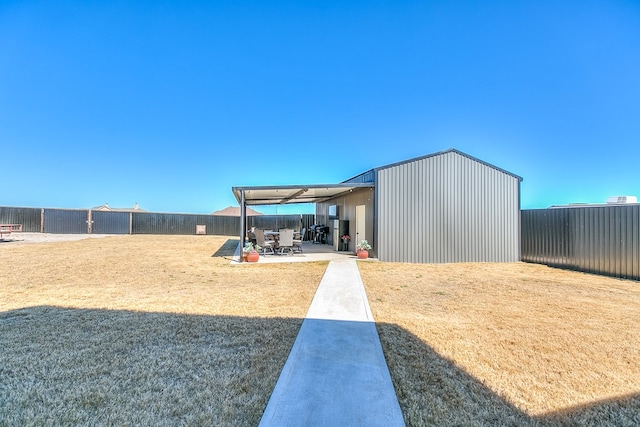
(89, 222)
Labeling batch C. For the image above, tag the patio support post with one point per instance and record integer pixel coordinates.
(243, 219)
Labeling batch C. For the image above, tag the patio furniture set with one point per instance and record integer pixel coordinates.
(285, 240)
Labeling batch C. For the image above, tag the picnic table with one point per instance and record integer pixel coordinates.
(6, 229)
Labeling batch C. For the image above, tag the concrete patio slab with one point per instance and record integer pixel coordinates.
(310, 253)
(336, 373)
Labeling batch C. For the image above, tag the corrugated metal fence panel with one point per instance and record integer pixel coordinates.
(65, 221)
(447, 208)
(595, 239)
(151, 223)
(307, 221)
(69, 221)
(168, 223)
(110, 222)
(275, 222)
(224, 225)
(30, 218)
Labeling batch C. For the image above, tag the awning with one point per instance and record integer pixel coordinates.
(288, 194)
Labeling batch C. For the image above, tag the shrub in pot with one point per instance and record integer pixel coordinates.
(362, 249)
(250, 252)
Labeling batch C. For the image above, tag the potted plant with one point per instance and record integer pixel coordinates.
(362, 249)
(250, 252)
(245, 251)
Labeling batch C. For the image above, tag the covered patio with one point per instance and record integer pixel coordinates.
(294, 194)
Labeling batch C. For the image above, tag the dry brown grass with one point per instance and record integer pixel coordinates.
(155, 330)
(508, 344)
(144, 330)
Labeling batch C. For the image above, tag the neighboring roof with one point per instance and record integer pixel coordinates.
(439, 153)
(288, 194)
(235, 211)
(108, 208)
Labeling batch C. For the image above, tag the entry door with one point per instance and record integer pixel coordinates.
(360, 223)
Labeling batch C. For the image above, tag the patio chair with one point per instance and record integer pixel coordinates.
(251, 235)
(270, 235)
(297, 243)
(285, 241)
(265, 245)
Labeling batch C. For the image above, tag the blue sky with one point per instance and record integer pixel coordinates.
(170, 104)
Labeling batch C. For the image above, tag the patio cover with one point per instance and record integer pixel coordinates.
(288, 194)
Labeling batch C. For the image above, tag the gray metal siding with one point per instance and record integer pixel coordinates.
(603, 239)
(447, 208)
(30, 218)
(110, 222)
(65, 221)
(347, 211)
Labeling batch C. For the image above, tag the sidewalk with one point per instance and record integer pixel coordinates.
(336, 373)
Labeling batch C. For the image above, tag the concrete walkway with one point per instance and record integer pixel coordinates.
(336, 374)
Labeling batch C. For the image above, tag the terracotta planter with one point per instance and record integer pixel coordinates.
(363, 254)
(253, 256)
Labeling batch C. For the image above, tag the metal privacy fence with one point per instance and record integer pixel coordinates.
(595, 239)
(30, 218)
(78, 221)
(110, 222)
(63, 221)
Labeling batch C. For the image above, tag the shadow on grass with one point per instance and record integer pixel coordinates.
(67, 366)
(618, 411)
(433, 391)
(228, 249)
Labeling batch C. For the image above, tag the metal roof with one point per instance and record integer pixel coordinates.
(289, 194)
(439, 153)
(317, 193)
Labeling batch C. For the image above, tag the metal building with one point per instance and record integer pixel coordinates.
(442, 207)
